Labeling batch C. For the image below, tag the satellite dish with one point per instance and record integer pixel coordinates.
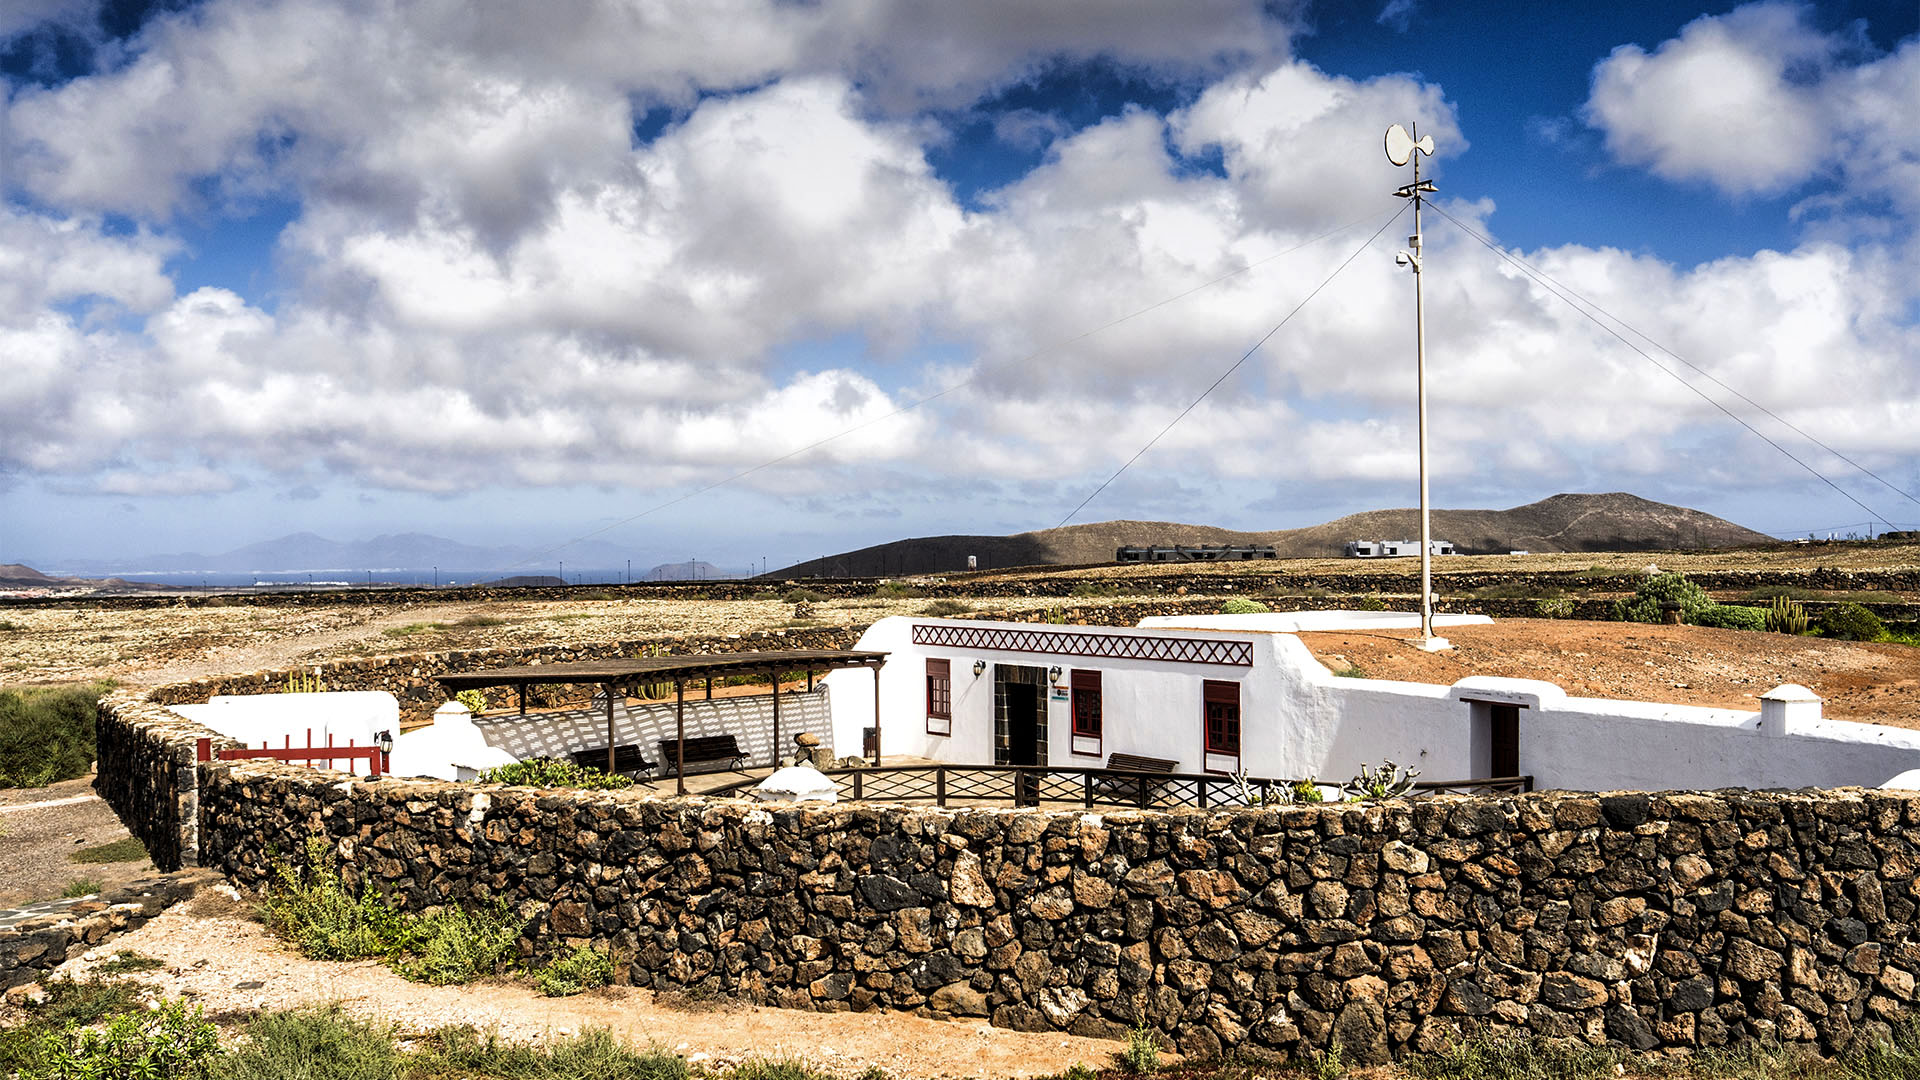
(1400, 145)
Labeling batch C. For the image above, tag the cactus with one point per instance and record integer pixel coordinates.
(1787, 616)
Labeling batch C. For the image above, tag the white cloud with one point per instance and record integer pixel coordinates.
(1758, 101)
(489, 282)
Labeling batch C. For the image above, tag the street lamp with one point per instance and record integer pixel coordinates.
(1403, 148)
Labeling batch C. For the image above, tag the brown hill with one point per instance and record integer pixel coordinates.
(18, 576)
(1610, 522)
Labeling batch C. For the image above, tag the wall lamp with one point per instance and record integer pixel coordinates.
(1054, 673)
(979, 668)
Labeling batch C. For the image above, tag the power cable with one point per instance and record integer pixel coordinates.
(1543, 277)
(1248, 355)
(963, 383)
(1556, 289)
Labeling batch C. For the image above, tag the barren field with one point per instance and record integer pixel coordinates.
(154, 646)
(1682, 665)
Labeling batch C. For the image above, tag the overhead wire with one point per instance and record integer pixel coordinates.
(1235, 366)
(961, 384)
(1562, 292)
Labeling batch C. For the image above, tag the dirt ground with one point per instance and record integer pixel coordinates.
(37, 842)
(218, 957)
(1682, 665)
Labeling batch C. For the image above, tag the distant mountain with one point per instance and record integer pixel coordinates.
(1578, 522)
(306, 551)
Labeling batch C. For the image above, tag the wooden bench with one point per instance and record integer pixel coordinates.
(1127, 788)
(626, 758)
(700, 750)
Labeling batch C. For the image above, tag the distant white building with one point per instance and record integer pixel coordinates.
(1218, 693)
(1387, 549)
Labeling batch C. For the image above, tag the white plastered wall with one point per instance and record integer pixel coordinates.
(1299, 719)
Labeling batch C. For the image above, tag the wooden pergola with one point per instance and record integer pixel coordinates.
(625, 675)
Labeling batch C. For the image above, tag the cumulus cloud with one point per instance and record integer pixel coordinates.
(490, 280)
(1758, 101)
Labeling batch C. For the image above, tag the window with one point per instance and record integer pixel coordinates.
(1086, 711)
(1222, 704)
(939, 697)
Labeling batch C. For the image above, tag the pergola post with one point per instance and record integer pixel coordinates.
(709, 688)
(876, 716)
(608, 687)
(680, 742)
(523, 699)
(775, 675)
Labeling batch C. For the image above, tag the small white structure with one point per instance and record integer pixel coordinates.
(452, 748)
(796, 784)
(1221, 693)
(1390, 549)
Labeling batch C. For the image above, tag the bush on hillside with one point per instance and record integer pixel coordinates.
(1851, 622)
(1734, 617)
(1240, 605)
(1658, 590)
(47, 735)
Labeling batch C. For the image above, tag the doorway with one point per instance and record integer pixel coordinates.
(1019, 715)
(1494, 740)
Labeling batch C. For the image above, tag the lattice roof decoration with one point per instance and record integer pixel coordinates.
(1179, 650)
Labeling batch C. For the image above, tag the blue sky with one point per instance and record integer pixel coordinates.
(520, 274)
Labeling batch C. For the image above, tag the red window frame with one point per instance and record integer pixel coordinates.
(1220, 718)
(940, 697)
(1087, 709)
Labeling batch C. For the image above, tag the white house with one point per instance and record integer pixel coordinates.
(278, 721)
(1220, 693)
(1390, 549)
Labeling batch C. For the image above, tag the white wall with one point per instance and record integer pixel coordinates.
(1299, 719)
(275, 721)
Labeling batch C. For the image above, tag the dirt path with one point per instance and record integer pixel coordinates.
(37, 842)
(217, 957)
(1684, 665)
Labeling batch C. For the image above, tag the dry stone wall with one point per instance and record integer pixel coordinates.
(36, 940)
(1673, 920)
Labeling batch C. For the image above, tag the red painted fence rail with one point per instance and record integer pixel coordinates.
(376, 758)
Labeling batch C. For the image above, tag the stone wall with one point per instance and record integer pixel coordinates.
(34, 941)
(410, 677)
(1672, 920)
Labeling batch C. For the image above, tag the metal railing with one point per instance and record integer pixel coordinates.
(1032, 785)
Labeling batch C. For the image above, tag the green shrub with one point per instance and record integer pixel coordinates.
(1352, 671)
(802, 596)
(1307, 790)
(474, 700)
(313, 1044)
(582, 969)
(1142, 1055)
(47, 735)
(1655, 592)
(945, 607)
(127, 962)
(1372, 603)
(453, 945)
(774, 1069)
(1787, 616)
(594, 1053)
(1851, 622)
(548, 773)
(313, 910)
(1095, 590)
(894, 590)
(1733, 617)
(1240, 605)
(1559, 607)
(167, 1042)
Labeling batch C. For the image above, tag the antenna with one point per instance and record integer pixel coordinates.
(1403, 148)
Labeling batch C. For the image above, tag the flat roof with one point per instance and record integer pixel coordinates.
(656, 668)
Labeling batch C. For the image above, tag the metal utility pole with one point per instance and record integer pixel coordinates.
(1403, 148)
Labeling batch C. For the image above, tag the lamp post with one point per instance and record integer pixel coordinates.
(1403, 148)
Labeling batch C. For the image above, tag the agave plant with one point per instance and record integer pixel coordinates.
(1390, 782)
